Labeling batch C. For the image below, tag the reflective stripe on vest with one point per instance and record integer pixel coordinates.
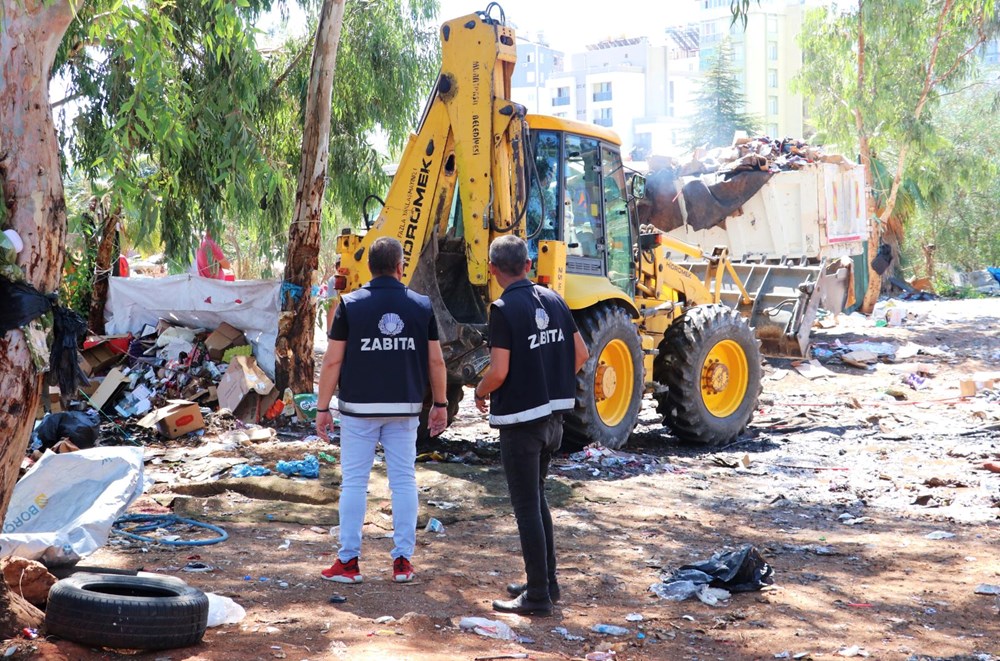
(380, 408)
(533, 414)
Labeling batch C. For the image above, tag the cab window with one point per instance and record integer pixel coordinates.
(583, 227)
(616, 218)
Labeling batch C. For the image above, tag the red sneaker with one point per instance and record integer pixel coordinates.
(343, 572)
(402, 570)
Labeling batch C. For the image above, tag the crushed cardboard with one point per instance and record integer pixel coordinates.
(246, 390)
(223, 338)
(179, 417)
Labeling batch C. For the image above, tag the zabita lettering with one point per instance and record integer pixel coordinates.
(388, 344)
(536, 340)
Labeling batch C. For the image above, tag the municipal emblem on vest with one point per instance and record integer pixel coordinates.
(390, 324)
(541, 319)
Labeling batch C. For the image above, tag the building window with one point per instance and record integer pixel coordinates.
(529, 76)
(772, 78)
(562, 97)
(602, 91)
(772, 130)
(772, 51)
(603, 117)
(772, 24)
(529, 58)
(772, 105)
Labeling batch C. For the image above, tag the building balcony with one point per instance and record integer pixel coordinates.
(602, 121)
(602, 96)
(560, 101)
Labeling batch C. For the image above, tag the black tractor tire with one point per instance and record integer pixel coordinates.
(135, 612)
(610, 328)
(688, 365)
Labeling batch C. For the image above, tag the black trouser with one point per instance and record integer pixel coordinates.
(525, 452)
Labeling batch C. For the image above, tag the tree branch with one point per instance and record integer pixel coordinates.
(929, 77)
(64, 101)
(306, 48)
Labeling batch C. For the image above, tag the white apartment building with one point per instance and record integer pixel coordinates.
(766, 56)
(644, 88)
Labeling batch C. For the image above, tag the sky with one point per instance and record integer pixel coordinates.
(569, 25)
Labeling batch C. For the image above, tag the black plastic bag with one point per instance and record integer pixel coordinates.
(19, 304)
(744, 570)
(883, 259)
(78, 427)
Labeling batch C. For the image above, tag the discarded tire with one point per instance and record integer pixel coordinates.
(134, 612)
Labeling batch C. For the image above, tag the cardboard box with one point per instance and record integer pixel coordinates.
(107, 393)
(246, 390)
(222, 338)
(177, 418)
(969, 387)
(99, 357)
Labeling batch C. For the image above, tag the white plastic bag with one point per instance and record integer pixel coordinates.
(223, 610)
(62, 509)
(488, 628)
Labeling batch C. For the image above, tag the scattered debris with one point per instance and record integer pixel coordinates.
(487, 628)
(743, 570)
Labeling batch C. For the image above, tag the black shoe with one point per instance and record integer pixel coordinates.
(515, 590)
(524, 606)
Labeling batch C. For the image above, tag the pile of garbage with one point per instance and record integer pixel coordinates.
(599, 461)
(165, 380)
(760, 153)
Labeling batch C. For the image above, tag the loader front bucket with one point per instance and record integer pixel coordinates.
(785, 300)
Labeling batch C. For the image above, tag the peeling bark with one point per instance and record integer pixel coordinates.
(294, 365)
(30, 32)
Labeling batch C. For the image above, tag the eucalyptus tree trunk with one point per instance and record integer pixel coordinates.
(102, 267)
(294, 365)
(30, 180)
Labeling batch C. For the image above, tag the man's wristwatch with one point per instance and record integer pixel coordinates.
(440, 405)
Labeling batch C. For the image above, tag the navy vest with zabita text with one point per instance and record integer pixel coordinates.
(386, 327)
(537, 327)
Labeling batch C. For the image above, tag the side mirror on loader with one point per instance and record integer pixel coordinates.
(637, 186)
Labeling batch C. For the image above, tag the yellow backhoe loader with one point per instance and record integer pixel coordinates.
(478, 167)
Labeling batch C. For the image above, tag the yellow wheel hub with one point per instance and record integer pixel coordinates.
(724, 378)
(613, 382)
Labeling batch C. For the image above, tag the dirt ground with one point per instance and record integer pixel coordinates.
(837, 483)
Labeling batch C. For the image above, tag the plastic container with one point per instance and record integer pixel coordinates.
(610, 629)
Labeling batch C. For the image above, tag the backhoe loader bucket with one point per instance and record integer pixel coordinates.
(785, 300)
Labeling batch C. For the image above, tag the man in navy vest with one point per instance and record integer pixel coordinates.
(383, 349)
(535, 353)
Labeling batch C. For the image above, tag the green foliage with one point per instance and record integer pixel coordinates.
(908, 65)
(171, 91)
(740, 9)
(196, 127)
(720, 104)
(959, 183)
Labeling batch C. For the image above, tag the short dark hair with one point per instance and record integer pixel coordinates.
(509, 254)
(385, 254)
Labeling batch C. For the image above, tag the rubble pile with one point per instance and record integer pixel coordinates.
(750, 154)
(166, 382)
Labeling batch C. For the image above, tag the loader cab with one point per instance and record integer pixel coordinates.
(577, 194)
